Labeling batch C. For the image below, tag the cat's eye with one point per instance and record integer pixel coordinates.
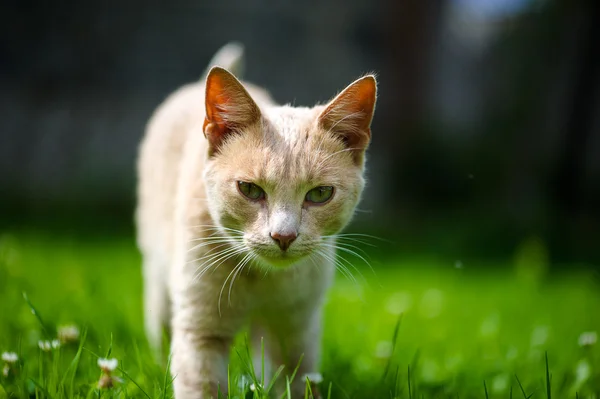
(319, 195)
(251, 190)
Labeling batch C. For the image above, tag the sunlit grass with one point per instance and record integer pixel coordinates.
(417, 328)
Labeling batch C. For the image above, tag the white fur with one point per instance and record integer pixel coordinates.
(206, 291)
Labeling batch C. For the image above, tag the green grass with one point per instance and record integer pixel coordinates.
(418, 328)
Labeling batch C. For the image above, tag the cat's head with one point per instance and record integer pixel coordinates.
(281, 180)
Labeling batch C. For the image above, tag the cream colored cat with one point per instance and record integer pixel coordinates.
(240, 200)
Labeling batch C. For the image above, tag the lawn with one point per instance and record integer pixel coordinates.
(414, 328)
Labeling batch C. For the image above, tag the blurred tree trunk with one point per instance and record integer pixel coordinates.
(579, 120)
(409, 30)
(575, 212)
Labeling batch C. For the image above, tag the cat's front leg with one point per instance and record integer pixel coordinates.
(201, 343)
(199, 363)
(299, 345)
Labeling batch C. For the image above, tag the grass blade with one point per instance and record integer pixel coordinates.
(167, 375)
(288, 391)
(522, 389)
(274, 379)
(262, 361)
(394, 340)
(74, 365)
(548, 387)
(110, 347)
(35, 312)
(485, 390)
(409, 387)
(291, 378)
(41, 388)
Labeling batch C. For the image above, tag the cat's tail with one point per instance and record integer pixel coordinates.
(230, 57)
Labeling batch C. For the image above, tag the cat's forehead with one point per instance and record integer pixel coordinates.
(290, 123)
(289, 148)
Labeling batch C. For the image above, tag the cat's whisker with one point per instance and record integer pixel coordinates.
(233, 271)
(214, 265)
(342, 262)
(215, 242)
(343, 243)
(214, 251)
(345, 240)
(209, 254)
(359, 235)
(315, 263)
(343, 259)
(350, 249)
(216, 227)
(340, 266)
(214, 237)
(351, 252)
(219, 257)
(243, 264)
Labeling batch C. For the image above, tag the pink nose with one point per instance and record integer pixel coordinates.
(284, 240)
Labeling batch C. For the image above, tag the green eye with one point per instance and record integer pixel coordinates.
(251, 190)
(319, 195)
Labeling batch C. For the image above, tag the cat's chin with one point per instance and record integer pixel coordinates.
(282, 261)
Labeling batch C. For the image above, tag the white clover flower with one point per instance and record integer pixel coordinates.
(315, 378)
(384, 349)
(588, 338)
(45, 346)
(68, 333)
(107, 365)
(254, 387)
(10, 357)
(55, 344)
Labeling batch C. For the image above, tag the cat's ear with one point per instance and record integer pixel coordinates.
(350, 113)
(229, 107)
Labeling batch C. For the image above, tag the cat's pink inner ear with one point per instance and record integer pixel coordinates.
(350, 113)
(229, 107)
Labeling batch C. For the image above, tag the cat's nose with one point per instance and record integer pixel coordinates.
(284, 240)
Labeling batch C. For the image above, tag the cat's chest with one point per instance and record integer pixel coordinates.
(287, 288)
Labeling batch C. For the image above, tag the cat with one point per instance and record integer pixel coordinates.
(239, 204)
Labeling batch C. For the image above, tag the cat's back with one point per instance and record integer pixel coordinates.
(159, 162)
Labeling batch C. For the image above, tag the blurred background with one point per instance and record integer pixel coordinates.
(486, 138)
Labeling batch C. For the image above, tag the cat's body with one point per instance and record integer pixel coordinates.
(230, 226)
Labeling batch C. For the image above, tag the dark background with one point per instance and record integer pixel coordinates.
(486, 134)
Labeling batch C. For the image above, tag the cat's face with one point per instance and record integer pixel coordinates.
(282, 181)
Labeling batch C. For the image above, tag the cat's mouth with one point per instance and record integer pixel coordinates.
(272, 256)
(282, 261)
(279, 259)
